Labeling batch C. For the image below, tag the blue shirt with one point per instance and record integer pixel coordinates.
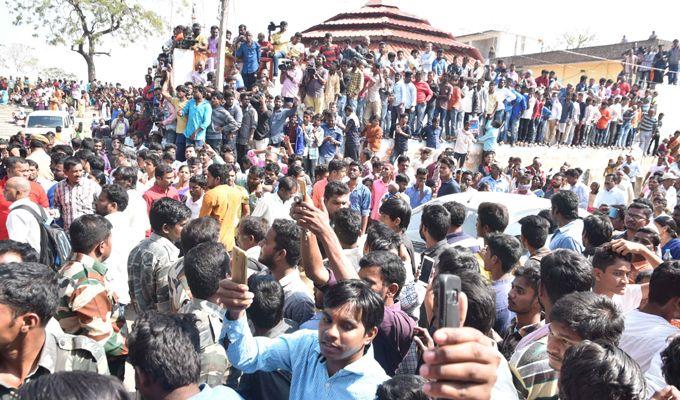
(500, 185)
(570, 237)
(414, 195)
(328, 149)
(448, 187)
(299, 354)
(504, 316)
(489, 139)
(360, 200)
(198, 116)
(431, 136)
(439, 66)
(276, 123)
(250, 56)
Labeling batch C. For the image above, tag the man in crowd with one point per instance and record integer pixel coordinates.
(28, 299)
(523, 302)
(277, 205)
(564, 211)
(75, 196)
(22, 221)
(150, 260)
(87, 304)
(224, 203)
(162, 187)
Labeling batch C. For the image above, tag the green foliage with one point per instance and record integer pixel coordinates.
(75, 22)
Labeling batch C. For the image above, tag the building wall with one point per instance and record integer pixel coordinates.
(570, 73)
(506, 44)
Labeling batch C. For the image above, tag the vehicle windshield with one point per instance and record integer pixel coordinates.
(44, 121)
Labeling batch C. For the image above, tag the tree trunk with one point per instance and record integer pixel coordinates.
(91, 70)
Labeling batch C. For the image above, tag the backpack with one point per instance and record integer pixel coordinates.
(55, 245)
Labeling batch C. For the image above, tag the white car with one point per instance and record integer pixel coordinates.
(41, 122)
(519, 206)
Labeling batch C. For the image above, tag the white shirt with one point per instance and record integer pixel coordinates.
(627, 189)
(195, 207)
(270, 207)
(22, 225)
(426, 60)
(137, 216)
(630, 300)
(654, 376)
(121, 245)
(671, 197)
(612, 197)
(644, 336)
(582, 192)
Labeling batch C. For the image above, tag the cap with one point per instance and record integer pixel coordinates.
(668, 175)
(40, 138)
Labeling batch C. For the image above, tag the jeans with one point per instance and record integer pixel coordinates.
(420, 117)
(325, 160)
(673, 74)
(600, 136)
(503, 134)
(524, 127)
(442, 114)
(385, 117)
(241, 154)
(512, 131)
(277, 56)
(342, 100)
(310, 164)
(170, 137)
(456, 120)
(361, 105)
(180, 141)
(395, 111)
(645, 139)
(215, 143)
(631, 137)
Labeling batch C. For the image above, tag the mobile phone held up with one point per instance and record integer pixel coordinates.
(448, 291)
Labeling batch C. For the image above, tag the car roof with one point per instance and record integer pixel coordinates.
(471, 200)
(48, 113)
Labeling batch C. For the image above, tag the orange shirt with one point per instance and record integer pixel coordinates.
(317, 192)
(373, 137)
(224, 204)
(605, 117)
(456, 96)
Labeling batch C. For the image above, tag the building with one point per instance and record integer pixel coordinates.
(504, 43)
(594, 61)
(380, 20)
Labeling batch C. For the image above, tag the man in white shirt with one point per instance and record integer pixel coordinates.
(578, 187)
(667, 182)
(112, 201)
(251, 231)
(647, 329)
(634, 169)
(136, 213)
(21, 223)
(610, 270)
(277, 205)
(427, 57)
(623, 182)
(611, 195)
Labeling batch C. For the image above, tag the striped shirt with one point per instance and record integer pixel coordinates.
(531, 362)
(88, 305)
(647, 123)
(76, 200)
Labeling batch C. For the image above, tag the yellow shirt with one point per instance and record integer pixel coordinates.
(181, 121)
(224, 204)
(279, 41)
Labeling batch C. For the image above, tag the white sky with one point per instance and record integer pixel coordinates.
(548, 20)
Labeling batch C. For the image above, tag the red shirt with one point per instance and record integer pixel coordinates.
(156, 193)
(423, 92)
(543, 81)
(625, 88)
(604, 119)
(37, 195)
(331, 53)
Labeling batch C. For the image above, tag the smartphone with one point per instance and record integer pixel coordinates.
(302, 189)
(239, 266)
(426, 269)
(448, 290)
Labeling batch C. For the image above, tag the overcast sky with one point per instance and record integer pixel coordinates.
(607, 19)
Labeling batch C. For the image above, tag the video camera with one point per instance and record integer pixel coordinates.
(285, 64)
(272, 27)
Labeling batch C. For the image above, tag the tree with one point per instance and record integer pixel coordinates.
(84, 24)
(18, 59)
(578, 40)
(57, 73)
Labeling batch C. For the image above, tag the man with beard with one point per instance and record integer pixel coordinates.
(523, 301)
(280, 253)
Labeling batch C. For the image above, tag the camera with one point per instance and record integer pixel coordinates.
(272, 27)
(285, 65)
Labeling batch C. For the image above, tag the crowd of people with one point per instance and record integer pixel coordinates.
(124, 247)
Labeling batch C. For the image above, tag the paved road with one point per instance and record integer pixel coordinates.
(8, 128)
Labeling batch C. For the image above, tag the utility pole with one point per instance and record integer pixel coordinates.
(222, 44)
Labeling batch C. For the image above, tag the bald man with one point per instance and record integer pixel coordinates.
(21, 224)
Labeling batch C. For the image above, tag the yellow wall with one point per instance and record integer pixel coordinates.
(570, 73)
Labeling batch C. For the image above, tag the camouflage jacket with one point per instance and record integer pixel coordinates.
(180, 293)
(88, 306)
(214, 363)
(62, 352)
(148, 266)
